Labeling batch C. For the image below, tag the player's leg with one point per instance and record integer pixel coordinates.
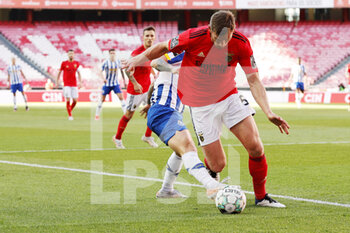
(14, 101)
(215, 158)
(247, 133)
(183, 145)
(147, 137)
(118, 92)
(207, 123)
(105, 91)
(168, 125)
(20, 88)
(298, 96)
(74, 95)
(74, 103)
(130, 110)
(99, 107)
(67, 95)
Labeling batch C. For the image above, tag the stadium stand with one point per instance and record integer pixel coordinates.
(276, 46)
(47, 42)
(322, 45)
(35, 78)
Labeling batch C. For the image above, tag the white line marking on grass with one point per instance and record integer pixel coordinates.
(163, 147)
(160, 180)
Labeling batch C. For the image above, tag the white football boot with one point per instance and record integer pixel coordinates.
(170, 194)
(118, 143)
(150, 141)
(269, 202)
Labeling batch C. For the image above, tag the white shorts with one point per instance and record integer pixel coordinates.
(134, 101)
(70, 92)
(208, 120)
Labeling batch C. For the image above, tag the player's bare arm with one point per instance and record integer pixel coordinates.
(123, 76)
(58, 78)
(137, 87)
(145, 109)
(24, 77)
(162, 66)
(259, 94)
(79, 77)
(8, 80)
(151, 53)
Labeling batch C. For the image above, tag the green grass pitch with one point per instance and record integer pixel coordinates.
(313, 162)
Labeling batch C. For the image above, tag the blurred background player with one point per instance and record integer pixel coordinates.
(139, 83)
(110, 67)
(164, 117)
(297, 75)
(70, 89)
(15, 82)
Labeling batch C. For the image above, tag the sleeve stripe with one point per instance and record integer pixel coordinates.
(238, 38)
(195, 36)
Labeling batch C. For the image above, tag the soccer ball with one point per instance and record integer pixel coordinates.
(230, 200)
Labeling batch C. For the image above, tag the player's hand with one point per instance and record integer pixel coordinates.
(129, 65)
(138, 88)
(80, 85)
(144, 111)
(279, 122)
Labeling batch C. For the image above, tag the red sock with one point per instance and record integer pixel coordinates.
(206, 163)
(148, 132)
(258, 171)
(121, 127)
(73, 105)
(69, 110)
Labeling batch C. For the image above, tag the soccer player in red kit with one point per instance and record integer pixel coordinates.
(139, 83)
(70, 89)
(206, 84)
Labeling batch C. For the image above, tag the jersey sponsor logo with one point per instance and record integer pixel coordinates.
(229, 57)
(201, 54)
(212, 69)
(200, 136)
(174, 42)
(75, 65)
(67, 66)
(252, 62)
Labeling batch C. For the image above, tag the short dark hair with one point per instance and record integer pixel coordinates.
(71, 50)
(149, 28)
(222, 19)
(111, 50)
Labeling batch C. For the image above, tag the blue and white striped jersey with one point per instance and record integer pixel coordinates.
(111, 69)
(165, 87)
(15, 74)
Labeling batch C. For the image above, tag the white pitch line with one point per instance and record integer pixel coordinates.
(162, 147)
(160, 180)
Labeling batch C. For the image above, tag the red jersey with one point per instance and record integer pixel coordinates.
(207, 73)
(69, 69)
(141, 74)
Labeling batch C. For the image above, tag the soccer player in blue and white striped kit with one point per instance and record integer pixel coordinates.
(15, 76)
(164, 117)
(110, 67)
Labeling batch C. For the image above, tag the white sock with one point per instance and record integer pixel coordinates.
(99, 108)
(14, 102)
(25, 99)
(123, 103)
(297, 99)
(197, 169)
(173, 169)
